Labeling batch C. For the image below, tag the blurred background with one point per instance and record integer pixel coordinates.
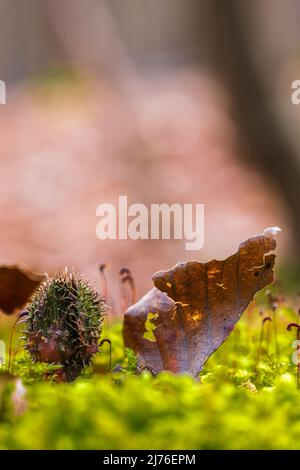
(173, 101)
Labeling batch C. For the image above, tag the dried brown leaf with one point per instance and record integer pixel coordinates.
(16, 286)
(196, 305)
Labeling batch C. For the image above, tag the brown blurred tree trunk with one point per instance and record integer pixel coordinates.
(266, 143)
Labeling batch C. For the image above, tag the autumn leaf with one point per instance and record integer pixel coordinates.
(135, 327)
(150, 326)
(195, 306)
(16, 286)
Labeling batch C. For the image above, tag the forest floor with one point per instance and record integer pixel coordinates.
(246, 396)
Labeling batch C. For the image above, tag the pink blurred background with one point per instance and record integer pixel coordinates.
(156, 133)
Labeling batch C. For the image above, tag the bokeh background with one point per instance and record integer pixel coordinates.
(171, 101)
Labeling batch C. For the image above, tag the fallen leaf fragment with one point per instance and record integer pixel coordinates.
(16, 286)
(196, 306)
(135, 327)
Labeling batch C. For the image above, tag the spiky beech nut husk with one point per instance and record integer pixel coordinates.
(64, 323)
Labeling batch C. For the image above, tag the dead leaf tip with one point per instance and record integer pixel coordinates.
(273, 231)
